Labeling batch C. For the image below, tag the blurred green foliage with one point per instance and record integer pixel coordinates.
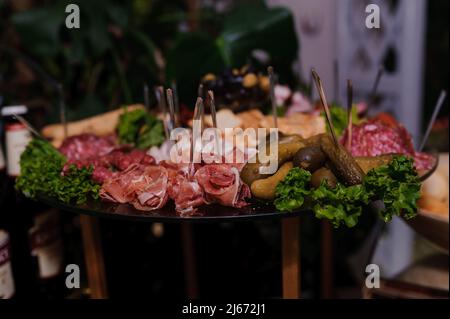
(123, 44)
(247, 28)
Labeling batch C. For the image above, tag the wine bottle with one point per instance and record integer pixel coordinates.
(35, 230)
(7, 288)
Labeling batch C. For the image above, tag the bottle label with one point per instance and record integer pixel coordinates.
(7, 288)
(46, 244)
(17, 138)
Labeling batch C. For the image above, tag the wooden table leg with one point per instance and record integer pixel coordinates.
(93, 256)
(326, 260)
(190, 270)
(290, 250)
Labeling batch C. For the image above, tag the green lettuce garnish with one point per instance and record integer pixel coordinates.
(40, 174)
(396, 185)
(341, 204)
(291, 191)
(339, 118)
(140, 129)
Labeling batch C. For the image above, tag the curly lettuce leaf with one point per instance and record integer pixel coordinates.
(397, 185)
(341, 205)
(291, 191)
(41, 165)
(141, 129)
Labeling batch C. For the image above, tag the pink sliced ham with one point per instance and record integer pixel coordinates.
(143, 186)
(154, 193)
(123, 186)
(222, 184)
(183, 187)
(186, 193)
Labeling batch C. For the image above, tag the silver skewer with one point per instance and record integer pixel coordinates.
(177, 104)
(212, 106)
(159, 93)
(437, 108)
(27, 124)
(272, 95)
(146, 97)
(323, 99)
(349, 112)
(200, 90)
(198, 116)
(170, 102)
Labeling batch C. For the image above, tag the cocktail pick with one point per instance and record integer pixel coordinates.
(159, 93)
(437, 108)
(176, 103)
(349, 112)
(170, 102)
(146, 97)
(272, 95)
(198, 116)
(200, 90)
(22, 120)
(323, 99)
(212, 106)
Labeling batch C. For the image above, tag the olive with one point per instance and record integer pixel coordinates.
(209, 77)
(309, 158)
(321, 174)
(249, 80)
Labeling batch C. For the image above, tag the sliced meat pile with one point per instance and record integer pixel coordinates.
(144, 186)
(222, 184)
(149, 187)
(100, 152)
(132, 176)
(183, 188)
(379, 136)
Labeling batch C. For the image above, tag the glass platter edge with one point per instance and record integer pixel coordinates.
(207, 213)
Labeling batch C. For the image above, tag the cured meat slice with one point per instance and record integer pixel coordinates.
(221, 184)
(84, 146)
(186, 193)
(123, 186)
(379, 136)
(143, 186)
(154, 193)
(183, 189)
(116, 159)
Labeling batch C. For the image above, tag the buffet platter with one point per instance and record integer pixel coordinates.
(129, 164)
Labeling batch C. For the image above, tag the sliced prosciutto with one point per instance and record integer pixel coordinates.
(123, 186)
(143, 186)
(183, 188)
(154, 193)
(221, 184)
(186, 193)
